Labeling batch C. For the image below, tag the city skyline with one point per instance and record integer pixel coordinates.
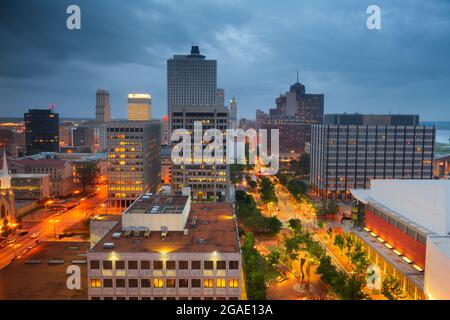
(399, 69)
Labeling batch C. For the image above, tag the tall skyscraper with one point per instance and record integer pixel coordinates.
(102, 107)
(41, 131)
(102, 116)
(191, 81)
(233, 114)
(139, 106)
(349, 150)
(134, 149)
(192, 96)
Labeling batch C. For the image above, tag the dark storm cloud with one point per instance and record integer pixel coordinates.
(123, 46)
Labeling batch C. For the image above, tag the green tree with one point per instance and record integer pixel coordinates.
(349, 287)
(87, 173)
(303, 165)
(339, 241)
(326, 270)
(273, 257)
(295, 225)
(391, 288)
(349, 242)
(358, 257)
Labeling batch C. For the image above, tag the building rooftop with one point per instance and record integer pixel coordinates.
(158, 204)
(40, 274)
(28, 175)
(40, 163)
(211, 227)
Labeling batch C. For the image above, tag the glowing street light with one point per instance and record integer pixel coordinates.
(54, 221)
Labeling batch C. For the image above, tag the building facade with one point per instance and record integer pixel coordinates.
(192, 96)
(41, 131)
(183, 259)
(207, 182)
(31, 186)
(346, 156)
(134, 165)
(408, 239)
(139, 106)
(59, 171)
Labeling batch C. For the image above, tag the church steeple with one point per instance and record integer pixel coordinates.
(5, 177)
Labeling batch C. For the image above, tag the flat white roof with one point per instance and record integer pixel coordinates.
(423, 202)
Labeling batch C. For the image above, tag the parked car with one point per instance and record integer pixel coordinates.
(34, 235)
(22, 232)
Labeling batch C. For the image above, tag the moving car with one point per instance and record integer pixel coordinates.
(34, 235)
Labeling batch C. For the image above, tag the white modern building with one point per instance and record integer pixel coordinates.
(407, 233)
(139, 106)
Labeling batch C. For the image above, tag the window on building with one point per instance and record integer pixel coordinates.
(120, 298)
(95, 283)
(221, 283)
(233, 283)
(158, 283)
(195, 283)
(145, 265)
(158, 298)
(95, 298)
(157, 265)
(221, 265)
(133, 265)
(120, 265)
(108, 298)
(233, 265)
(170, 265)
(208, 265)
(170, 283)
(208, 283)
(183, 283)
(145, 283)
(132, 283)
(183, 265)
(107, 283)
(195, 265)
(133, 298)
(107, 265)
(120, 283)
(95, 265)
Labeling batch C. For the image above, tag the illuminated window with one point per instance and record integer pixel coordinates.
(233, 283)
(221, 283)
(95, 283)
(170, 283)
(208, 283)
(158, 283)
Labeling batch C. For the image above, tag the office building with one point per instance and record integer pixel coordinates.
(207, 182)
(347, 155)
(165, 128)
(407, 233)
(166, 166)
(85, 138)
(139, 107)
(102, 107)
(65, 133)
(191, 81)
(30, 186)
(441, 167)
(134, 165)
(41, 131)
(165, 248)
(220, 97)
(59, 171)
(192, 96)
(293, 116)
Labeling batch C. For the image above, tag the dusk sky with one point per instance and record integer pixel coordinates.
(123, 47)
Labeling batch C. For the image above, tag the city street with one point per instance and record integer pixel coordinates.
(52, 225)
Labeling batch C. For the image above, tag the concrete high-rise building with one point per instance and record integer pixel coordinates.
(41, 131)
(102, 107)
(139, 106)
(191, 81)
(165, 128)
(166, 248)
(192, 96)
(66, 133)
(347, 151)
(233, 109)
(134, 167)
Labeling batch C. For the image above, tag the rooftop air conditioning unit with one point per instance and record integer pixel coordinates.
(186, 232)
(164, 232)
